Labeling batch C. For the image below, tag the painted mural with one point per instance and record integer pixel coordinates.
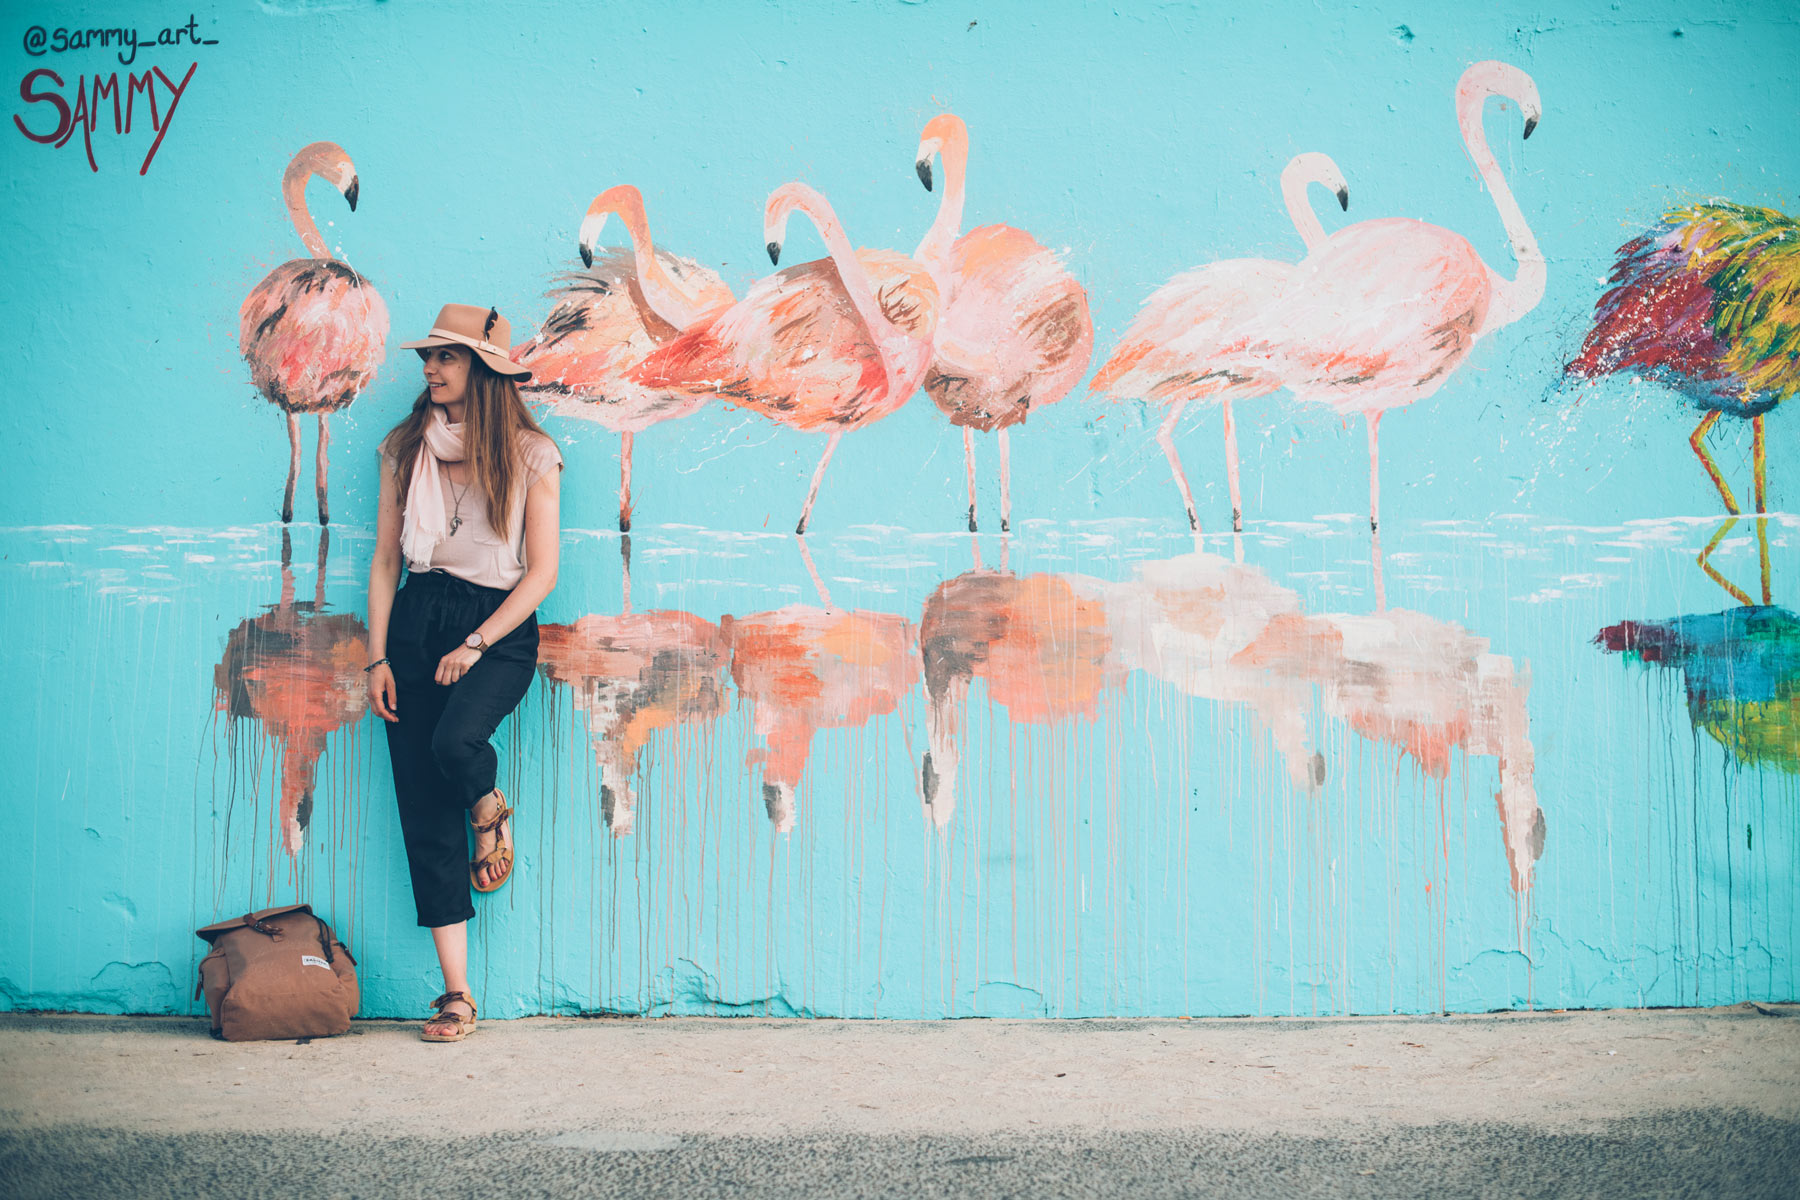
(852, 726)
(292, 673)
(1707, 302)
(313, 331)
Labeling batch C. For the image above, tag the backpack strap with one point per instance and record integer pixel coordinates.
(324, 936)
(251, 921)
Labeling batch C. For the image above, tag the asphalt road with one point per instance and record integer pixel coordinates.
(1700, 1153)
(1701, 1103)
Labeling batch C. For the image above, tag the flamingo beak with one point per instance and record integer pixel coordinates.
(774, 249)
(587, 255)
(350, 193)
(1343, 195)
(923, 167)
(1530, 124)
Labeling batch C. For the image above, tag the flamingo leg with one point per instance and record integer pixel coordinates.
(1762, 554)
(625, 572)
(1698, 441)
(287, 572)
(1231, 469)
(321, 463)
(1374, 420)
(1005, 483)
(812, 571)
(1760, 459)
(319, 576)
(625, 482)
(1375, 560)
(287, 498)
(818, 478)
(1166, 438)
(1704, 559)
(969, 469)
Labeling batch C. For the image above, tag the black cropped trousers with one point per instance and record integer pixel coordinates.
(443, 760)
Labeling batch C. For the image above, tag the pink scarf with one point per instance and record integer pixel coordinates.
(424, 524)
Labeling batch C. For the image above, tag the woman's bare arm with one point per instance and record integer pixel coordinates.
(384, 576)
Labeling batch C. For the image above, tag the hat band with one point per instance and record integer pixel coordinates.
(454, 336)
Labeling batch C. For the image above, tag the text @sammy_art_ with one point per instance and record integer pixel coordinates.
(57, 104)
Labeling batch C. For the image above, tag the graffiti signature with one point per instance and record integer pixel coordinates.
(40, 41)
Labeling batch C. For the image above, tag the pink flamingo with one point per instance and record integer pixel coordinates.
(313, 331)
(1383, 312)
(608, 320)
(836, 343)
(1187, 341)
(1013, 331)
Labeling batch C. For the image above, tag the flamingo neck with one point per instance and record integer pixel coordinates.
(855, 279)
(661, 292)
(1512, 298)
(944, 230)
(1300, 210)
(293, 191)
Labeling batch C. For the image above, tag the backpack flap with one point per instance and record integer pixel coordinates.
(249, 920)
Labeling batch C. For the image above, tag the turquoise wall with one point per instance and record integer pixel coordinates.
(1296, 770)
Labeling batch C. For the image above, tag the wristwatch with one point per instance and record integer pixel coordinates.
(475, 642)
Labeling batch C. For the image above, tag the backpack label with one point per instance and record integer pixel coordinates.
(313, 960)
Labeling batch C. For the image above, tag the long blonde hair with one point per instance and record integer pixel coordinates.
(494, 420)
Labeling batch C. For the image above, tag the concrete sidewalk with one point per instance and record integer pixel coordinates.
(1674, 1102)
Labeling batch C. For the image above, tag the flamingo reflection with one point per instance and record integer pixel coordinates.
(1041, 645)
(803, 669)
(1740, 668)
(298, 670)
(634, 675)
(1228, 633)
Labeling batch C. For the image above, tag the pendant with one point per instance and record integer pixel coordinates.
(455, 524)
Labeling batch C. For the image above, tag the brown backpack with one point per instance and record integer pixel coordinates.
(275, 974)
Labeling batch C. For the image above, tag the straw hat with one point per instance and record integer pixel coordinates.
(482, 330)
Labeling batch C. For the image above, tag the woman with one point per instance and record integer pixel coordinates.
(469, 499)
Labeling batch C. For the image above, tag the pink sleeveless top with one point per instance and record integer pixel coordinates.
(477, 551)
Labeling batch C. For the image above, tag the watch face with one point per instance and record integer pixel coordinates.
(472, 641)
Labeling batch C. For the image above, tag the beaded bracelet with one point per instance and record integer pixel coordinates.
(378, 662)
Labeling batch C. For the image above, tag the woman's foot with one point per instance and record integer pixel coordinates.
(493, 861)
(455, 1018)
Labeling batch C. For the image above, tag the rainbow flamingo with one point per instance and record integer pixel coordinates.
(836, 343)
(1708, 302)
(1383, 312)
(1179, 349)
(1013, 331)
(607, 320)
(298, 669)
(313, 331)
(633, 676)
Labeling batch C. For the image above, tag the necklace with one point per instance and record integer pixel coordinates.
(456, 513)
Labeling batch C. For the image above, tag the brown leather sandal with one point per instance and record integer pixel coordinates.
(443, 1022)
(500, 858)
